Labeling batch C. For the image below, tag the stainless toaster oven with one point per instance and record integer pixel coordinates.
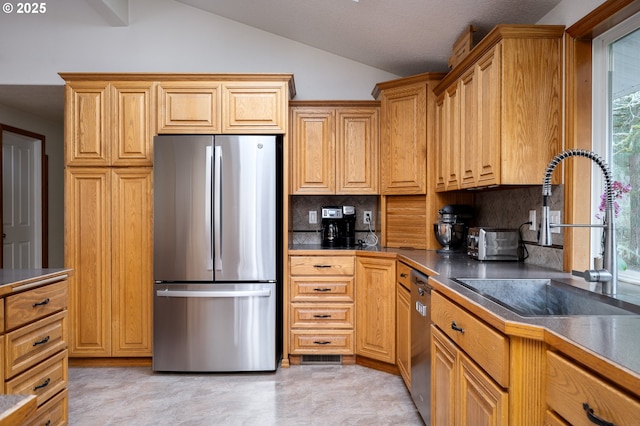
(493, 243)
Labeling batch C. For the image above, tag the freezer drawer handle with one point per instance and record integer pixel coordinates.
(322, 266)
(214, 293)
(322, 316)
(323, 342)
(323, 289)
(455, 327)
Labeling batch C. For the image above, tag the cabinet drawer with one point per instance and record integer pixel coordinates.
(44, 380)
(35, 342)
(321, 265)
(54, 412)
(326, 289)
(569, 387)
(486, 346)
(322, 315)
(403, 275)
(23, 308)
(336, 342)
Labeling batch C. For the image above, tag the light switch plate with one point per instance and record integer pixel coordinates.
(313, 217)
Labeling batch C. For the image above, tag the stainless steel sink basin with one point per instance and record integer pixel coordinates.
(545, 297)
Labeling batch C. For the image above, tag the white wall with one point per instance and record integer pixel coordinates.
(568, 12)
(166, 36)
(54, 135)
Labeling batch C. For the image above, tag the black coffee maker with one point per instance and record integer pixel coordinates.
(331, 226)
(348, 233)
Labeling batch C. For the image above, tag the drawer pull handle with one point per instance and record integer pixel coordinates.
(322, 316)
(42, 385)
(455, 327)
(321, 342)
(403, 275)
(593, 418)
(323, 289)
(42, 342)
(44, 302)
(322, 266)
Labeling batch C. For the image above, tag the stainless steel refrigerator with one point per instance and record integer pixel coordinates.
(215, 253)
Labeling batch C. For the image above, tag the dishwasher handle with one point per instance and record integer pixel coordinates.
(214, 293)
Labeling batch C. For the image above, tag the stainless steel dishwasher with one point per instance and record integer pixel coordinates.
(421, 344)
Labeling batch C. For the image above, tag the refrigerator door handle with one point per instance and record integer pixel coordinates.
(217, 209)
(214, 294)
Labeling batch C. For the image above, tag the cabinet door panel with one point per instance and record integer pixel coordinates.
(481, 401)
(403, 333)
(313, 140)
(133, 105)
(132, 276)
(88, 253)
(404, 141)
(443, 379)
(189, 107)
(488, 75)
(254, 107)
(468, 131)
(376, 309)
(357, 151)
(86, 124)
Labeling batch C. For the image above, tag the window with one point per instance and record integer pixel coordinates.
(616, 131)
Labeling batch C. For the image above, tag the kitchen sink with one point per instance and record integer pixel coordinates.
(546, 297)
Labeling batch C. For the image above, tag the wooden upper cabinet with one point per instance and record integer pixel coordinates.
(313, 146)
(357, 145)
(335, 148)
(403, 147)
(189, 107)
(254, 107)
(133, 104)
(109, 123)
(508, 112)
(87, 124)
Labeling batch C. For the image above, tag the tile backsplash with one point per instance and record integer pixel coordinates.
(509, 208)
(500, 208)
(306, 233)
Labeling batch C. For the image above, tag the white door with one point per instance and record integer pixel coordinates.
(21, 201)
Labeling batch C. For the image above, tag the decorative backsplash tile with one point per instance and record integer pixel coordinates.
(305, 233)
(509, 208)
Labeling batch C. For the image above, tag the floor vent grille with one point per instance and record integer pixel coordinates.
(321, 359)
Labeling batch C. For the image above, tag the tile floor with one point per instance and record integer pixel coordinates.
(300, 395)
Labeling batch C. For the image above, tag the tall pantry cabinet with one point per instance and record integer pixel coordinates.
(110, 123)
(109, 129)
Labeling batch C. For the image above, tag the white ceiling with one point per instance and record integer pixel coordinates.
(403, 37)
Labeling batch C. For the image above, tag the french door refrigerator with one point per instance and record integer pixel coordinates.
(215, 253)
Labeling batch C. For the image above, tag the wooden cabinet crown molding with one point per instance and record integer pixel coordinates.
(500, 32)
(407, 81)
(83, 76)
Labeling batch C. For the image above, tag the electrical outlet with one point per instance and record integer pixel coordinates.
(367, 217)
(532, 218)
(554, 217)
(313, 217)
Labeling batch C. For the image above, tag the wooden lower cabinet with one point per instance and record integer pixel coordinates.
(403, 322)
(462, 393)
(34, 349)
(321, 312)
(108, 236)
(581, 398)
(376, 308)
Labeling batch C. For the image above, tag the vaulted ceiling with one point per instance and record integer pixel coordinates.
(403, 37)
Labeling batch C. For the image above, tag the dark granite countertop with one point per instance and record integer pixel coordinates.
(608, 344)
